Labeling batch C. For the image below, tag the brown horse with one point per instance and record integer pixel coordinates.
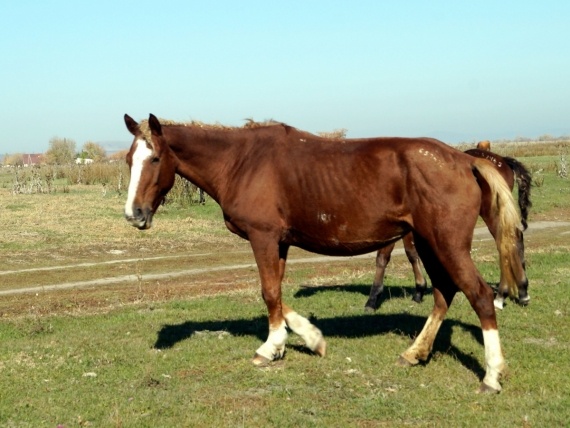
(262, 178)
(511, 170)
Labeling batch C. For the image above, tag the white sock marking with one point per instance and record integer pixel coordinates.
(493, 358)
(301, 325)
(274, 347)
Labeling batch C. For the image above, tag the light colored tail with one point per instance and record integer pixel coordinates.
(503, 207)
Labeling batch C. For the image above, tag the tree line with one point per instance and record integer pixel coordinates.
(62, 151)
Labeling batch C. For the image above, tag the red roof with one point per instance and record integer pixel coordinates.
(32, 158)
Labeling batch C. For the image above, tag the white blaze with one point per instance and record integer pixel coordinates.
(141, 153)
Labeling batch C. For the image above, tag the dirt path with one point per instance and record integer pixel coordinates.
(480, 234)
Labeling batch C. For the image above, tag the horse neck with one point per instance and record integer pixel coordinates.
(203, 155)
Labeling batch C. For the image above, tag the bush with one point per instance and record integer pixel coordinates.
(185, 194)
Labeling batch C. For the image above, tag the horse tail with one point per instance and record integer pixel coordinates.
(524, 181)
(509, 225)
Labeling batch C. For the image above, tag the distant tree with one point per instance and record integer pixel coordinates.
(545, 137)
(93, 151)
(61, 151)
(16, 159)
(521, 139)
(119, 156)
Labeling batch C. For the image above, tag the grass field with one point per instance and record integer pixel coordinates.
(166, 339)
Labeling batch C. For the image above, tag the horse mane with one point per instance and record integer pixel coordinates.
(250, 124)
(336, 135)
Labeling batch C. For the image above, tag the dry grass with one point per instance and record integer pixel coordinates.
(39, 230)
(524, 149)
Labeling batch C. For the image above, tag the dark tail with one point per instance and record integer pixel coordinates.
(524, 182)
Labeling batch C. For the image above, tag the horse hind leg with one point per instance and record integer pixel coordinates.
(422, 346)
(423, 343)
(513, 280)
(517, 286)
(382, 259)
(520, 272)
(492, 224)
(443, 292)
(456, 271)
(502, 293)
(414, 259)
(480, 299)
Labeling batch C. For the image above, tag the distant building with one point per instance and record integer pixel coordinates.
(31, 159)
(83, 161)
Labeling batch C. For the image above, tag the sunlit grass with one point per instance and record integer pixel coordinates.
(186, 362)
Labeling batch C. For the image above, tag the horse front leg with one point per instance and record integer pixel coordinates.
(271, 267)
(312, 336)
(271, 259)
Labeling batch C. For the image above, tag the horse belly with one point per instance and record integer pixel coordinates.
(343, 239)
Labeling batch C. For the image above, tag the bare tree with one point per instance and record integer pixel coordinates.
(119, 156)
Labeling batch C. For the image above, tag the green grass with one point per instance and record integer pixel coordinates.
(186, 362)
(553, 194)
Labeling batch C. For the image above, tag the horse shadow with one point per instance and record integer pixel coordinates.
(390, 292)
(354, 326)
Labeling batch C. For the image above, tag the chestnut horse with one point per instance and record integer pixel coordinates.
(511, 170)
(262, 178)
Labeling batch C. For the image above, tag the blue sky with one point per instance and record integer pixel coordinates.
(454, 70)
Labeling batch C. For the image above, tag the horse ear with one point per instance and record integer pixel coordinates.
(132, 125)
(155, 126)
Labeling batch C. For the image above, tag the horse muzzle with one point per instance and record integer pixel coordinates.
(141, 219)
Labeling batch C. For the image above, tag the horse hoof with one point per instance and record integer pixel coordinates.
(404, 362)
(369, 309)
(321, 348)
(418, 298)
(487, 389)
(525, 301)
(498, 304)
(260, 361)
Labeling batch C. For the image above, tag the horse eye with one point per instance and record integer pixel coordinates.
(155, 159)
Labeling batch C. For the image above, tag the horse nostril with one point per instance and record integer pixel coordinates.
(135, 213)
(139, 216)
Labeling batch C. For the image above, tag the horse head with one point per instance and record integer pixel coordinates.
(153, 166)
(484, 145)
